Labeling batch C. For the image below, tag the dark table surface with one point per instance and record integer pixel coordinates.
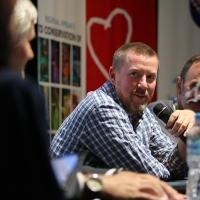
(179, 185)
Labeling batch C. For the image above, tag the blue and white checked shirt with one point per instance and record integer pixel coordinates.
(100, 128)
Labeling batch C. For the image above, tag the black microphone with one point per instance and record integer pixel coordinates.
(163, 113)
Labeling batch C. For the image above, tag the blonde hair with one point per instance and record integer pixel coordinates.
(24, 15)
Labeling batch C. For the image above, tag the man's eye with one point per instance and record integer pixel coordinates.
(135, 73)
(152, 77)
(193, 85)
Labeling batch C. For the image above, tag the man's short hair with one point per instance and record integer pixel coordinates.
(138, 48)
(188, 64)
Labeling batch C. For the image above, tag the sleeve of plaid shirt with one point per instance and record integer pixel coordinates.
(112, 138)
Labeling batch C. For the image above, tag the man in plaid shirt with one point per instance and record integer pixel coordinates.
(113, 127)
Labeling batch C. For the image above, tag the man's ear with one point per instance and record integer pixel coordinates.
(178, 85)
(112, 73)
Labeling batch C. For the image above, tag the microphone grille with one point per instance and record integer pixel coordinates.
(158, 108)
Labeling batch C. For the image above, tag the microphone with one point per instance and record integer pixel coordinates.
(163, 113)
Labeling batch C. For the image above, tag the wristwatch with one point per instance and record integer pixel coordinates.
(93, 187)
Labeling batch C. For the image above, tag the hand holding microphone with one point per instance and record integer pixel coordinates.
(180, 121)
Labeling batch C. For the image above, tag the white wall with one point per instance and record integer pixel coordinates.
(178, 39)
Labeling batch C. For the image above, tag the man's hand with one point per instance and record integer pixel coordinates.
(181, 121)
(129, 185)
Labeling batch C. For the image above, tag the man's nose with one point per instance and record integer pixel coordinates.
(143, 83)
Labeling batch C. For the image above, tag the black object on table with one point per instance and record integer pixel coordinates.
(179, 185)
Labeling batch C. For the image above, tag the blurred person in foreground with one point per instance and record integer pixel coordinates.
(25, 170)
(185, 82)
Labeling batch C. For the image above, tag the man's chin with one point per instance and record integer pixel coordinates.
(137, 108)
(141, 104)
(141, 108)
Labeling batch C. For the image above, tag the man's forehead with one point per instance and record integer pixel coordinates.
(143, 59)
